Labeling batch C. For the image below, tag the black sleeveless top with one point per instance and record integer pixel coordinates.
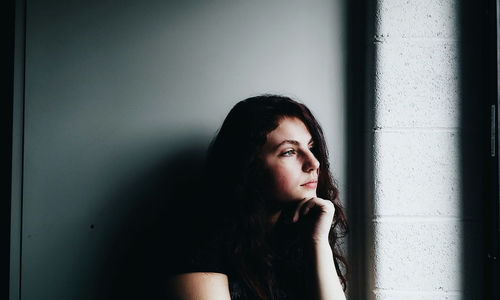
(288, 264)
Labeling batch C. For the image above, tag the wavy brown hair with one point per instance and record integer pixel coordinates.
(234, 169)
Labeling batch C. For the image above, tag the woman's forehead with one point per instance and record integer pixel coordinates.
(289, 129)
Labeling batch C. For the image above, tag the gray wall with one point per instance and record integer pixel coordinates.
(120, 95)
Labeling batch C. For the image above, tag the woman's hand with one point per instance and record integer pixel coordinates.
(317, 215)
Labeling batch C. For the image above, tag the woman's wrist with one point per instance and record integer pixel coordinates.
(321, 241)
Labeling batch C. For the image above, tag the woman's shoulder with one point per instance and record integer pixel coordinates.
(199, 285)
(204, 271)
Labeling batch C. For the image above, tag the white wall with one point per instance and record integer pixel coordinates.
(115, 90)
(417, 217)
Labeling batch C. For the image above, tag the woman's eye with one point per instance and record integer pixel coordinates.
(288, 152)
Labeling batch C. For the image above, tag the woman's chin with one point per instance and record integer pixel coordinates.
(294, 199)
(303, 196)
(311, 194)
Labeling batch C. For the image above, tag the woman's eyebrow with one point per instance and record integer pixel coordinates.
(293, 142)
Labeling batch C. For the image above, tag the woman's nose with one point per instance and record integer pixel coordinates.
(310, 162)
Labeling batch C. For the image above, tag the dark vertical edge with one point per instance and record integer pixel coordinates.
(496, 101)
(360, 24)
(493, 169)
(479, 168)
(8, 70)
(17, 150)
(493, 164)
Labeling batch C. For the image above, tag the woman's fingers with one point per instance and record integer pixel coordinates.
(320, 214)
(305, 206)
(298, 208)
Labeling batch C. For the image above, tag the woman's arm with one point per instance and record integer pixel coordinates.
(318, 214)
(326, 278)
(199, 286)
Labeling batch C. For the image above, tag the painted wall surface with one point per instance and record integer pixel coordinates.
(426, 244)
(123, 97)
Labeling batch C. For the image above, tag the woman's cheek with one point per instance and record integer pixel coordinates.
(282, 185)
(285, 185)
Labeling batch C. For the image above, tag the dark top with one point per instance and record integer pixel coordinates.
(288, 263)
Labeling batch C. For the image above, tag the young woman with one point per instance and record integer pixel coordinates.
(275, 218)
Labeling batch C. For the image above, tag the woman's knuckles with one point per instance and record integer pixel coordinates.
(324, 208)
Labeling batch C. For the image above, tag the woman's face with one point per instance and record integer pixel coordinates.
(288, 159)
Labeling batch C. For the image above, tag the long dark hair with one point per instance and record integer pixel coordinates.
(234, 169)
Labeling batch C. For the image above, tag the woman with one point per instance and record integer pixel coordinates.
(273, 206)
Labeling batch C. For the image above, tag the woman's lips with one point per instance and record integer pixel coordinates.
(310, 184)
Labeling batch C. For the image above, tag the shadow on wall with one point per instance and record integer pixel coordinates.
(166, 207)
